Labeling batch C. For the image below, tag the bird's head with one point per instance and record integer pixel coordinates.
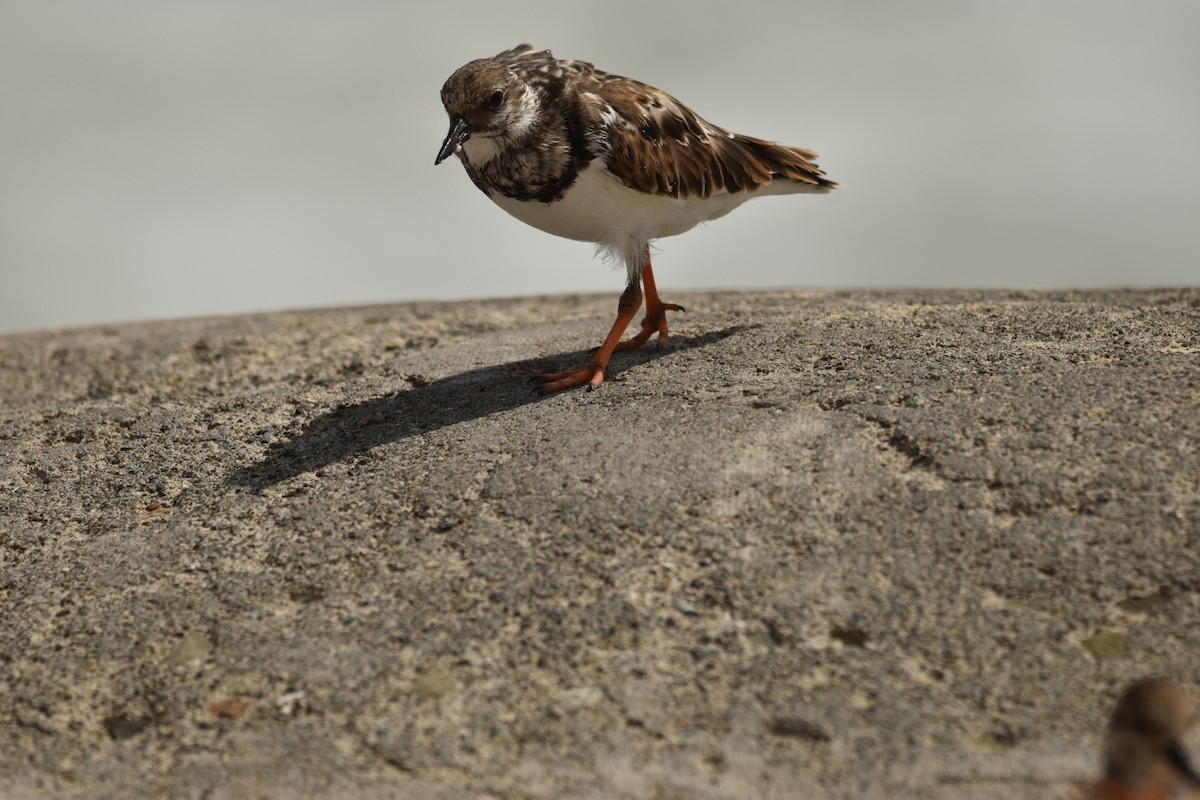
(1145, 737)
(486, 102)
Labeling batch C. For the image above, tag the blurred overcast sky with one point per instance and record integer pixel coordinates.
(163, 159)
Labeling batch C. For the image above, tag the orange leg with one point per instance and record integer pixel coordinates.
(656, 312)
(593, 373)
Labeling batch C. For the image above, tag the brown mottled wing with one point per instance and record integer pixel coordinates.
(661, 146)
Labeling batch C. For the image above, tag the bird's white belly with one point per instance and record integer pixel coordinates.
(599, 208)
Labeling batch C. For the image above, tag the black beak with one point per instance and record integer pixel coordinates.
(1179, 759)
(460, 131)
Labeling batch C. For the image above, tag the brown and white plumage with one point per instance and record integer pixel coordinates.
(664, 147)
(587, 155)
(1143, 756)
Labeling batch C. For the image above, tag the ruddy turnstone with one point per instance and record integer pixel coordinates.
(1144, 757)
(595, 157)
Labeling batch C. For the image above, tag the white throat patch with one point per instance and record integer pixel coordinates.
(482, 149)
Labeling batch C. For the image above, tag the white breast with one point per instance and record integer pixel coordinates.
(599, 208)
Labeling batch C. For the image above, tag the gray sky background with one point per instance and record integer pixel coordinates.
(163, 159)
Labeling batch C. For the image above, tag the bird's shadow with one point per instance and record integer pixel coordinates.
(356, 428)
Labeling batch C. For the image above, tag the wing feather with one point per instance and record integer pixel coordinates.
(661, 146)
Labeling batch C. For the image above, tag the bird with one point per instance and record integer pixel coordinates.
(1144, 757)
(596, 157)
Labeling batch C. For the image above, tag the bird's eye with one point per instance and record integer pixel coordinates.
(495, 100)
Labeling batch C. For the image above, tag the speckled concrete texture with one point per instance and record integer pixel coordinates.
(829, 545)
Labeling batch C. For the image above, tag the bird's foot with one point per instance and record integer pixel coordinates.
(654, 321)
(592, 375)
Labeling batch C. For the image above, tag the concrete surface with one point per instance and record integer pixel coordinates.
(828, 546)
